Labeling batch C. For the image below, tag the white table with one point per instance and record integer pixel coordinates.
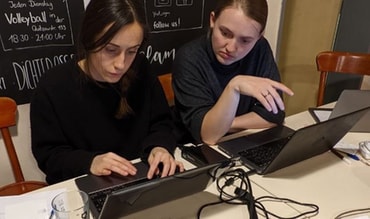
(324, 180)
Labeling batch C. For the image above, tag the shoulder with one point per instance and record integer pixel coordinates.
(58, 84)
(193, 49)
(143, 78)
(262, 46)
(193, 58)
(261, 53)
(141, 68)
(59, 74)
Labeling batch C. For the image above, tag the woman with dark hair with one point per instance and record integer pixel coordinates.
(227, 80)
(103, 108)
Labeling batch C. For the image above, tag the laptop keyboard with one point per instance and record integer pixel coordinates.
(264, 154)
(98, 197)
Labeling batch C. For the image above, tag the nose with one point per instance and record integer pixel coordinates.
(231, 46)
(119, 61)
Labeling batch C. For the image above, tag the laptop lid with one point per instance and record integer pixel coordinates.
(350, 101)
(299, 145)
(161, 190)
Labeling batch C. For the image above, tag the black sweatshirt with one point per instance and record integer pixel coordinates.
(199, 80)
(73, 120)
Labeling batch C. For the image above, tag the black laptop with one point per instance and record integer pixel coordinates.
(117, 196)
(279, 147)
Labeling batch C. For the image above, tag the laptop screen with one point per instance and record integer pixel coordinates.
(350, 101)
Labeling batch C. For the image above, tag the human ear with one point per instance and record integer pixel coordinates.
(262, 34)
(212, 19)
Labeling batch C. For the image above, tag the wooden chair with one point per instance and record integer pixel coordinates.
(166, 82)
(8, 109)
(340, 62)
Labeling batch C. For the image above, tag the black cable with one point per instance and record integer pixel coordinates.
(286, 200)
(243, 195)
(352, 213)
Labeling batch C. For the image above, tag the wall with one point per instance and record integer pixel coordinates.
(352, 38)
(309, 27)
(274, 22)
(366, 83)
(34, 38)
(22, 142)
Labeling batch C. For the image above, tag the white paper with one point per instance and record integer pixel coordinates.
(28, 206)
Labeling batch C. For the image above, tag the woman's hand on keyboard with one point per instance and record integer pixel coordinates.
(162, 163)
(105, 164)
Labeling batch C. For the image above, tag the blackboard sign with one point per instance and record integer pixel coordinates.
(173, 23)
(39, 34)
(35, 35)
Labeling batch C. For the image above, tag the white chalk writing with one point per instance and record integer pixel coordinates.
(17, 18)
(36, 23)
(31, 4)
(179, 16)
(160, 57)
(2, 84)
(28, 72)
(43, 3)
(160, 14)
(13, 4)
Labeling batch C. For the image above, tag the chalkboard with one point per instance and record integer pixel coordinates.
(39, 34)
(171, 24)
(35, 35)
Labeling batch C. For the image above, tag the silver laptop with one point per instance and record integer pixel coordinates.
(350, 101)
(278, 147)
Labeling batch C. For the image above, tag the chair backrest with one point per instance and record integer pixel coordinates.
(340, 62)
(8, 110)
(166, 82)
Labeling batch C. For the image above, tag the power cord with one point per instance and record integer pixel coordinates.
(353, 213)
(242, 195)
(314, 211)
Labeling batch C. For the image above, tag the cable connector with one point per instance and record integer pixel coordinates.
(229, 182)
(240, 192)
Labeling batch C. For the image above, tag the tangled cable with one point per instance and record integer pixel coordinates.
(235, 188)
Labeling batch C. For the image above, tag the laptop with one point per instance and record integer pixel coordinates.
(278, 147)
(117, 196)
(350, 101)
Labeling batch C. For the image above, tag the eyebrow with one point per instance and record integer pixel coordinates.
(243, 37)
(247, 38)
(132, 47)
